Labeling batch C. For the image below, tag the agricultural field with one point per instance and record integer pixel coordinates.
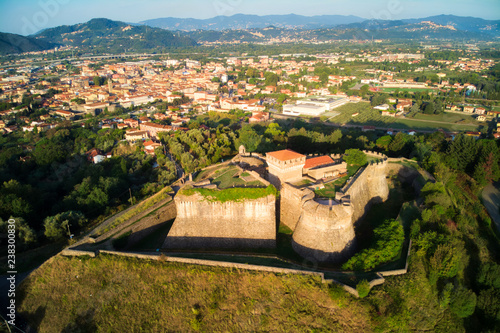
(369, 116)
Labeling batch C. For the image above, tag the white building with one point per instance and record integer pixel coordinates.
(303, 109)
(315, 105)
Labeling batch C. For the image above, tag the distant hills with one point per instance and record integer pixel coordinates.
(253, 28)
(116, 37)
(242, 21)
(470, 24)
(113, 36)
(12, 43)
(292, 21)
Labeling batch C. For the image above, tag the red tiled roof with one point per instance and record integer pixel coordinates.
(317, 161)
(285, 155)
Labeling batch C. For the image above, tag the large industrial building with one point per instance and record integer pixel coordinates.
(314, 106)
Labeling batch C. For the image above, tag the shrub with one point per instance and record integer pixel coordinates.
(363, 288)
(388, 242)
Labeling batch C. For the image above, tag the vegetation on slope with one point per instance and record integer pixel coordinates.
(389, 241)
(114, 36)
(113, 294)
(12, 43)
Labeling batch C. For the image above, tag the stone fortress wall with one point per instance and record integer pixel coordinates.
(324, 231)
(201, 223)
(205, 224)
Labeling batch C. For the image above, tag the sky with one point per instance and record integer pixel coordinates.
(27, 17)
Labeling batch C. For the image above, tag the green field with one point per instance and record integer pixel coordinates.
(449, 117)
(390, 90)
(369, 116)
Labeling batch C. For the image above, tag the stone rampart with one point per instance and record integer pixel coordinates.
(367, 187)
(290, 205)
(233, 224)
(325, 232)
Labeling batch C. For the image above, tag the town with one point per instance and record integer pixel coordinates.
(250, 173)
(265, 86)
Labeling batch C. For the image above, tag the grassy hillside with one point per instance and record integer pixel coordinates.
(113, 294)
(12, 43)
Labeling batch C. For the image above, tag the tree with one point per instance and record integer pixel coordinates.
(461, 153)
(355, 157)
(249, 138)
(334, 137)
(429, 108)
(25, 235)
(271, 79)
(378, 99)
(384, 141)
(364, 89)
(463, 302)
(402, 144)
(56, 227)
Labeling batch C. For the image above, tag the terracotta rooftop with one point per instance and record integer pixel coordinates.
(317, 161)
(285, 155)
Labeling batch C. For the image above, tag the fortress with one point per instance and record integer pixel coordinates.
(323, 229)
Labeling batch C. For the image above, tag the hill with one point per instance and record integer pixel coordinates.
(132, 295)
(113, 36)
(241, 21)
(472, 24)
(12, 43)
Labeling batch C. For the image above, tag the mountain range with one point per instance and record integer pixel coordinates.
(292, 21)
(242, 21)
(116, 37)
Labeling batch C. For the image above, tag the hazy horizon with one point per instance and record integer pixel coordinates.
(30, 16)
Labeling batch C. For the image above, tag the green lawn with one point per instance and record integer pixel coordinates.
(389, 90)
(334, 186)
(204, 174)
(448, 117)
(331, 188)
(226, 179)
(369, 116)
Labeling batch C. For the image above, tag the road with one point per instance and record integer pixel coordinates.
(491, 200)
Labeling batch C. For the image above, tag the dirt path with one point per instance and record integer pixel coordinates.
(491, 200)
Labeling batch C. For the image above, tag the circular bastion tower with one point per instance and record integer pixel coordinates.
(324, 231)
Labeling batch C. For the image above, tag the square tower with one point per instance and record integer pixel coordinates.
(284, 166)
